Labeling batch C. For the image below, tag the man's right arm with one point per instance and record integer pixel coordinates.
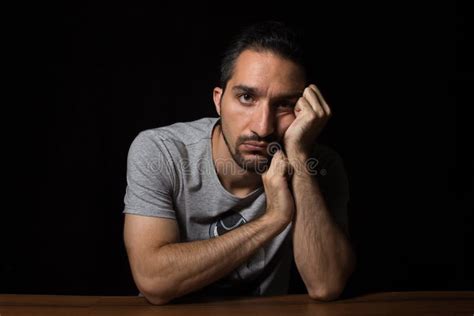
(163, 268)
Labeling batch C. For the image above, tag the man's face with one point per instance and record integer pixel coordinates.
(257, 105)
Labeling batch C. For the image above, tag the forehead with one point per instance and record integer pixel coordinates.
(267, 70)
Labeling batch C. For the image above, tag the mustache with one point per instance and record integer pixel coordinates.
(268, 139)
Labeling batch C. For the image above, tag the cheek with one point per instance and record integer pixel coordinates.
(233, 122)
(285, 122)
(232, 109)
(236, 117)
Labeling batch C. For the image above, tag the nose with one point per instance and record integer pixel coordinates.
(263, 121)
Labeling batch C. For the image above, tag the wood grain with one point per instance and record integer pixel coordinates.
(388, 303)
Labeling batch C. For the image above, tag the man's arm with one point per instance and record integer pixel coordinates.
(323, 254)
(164, 269)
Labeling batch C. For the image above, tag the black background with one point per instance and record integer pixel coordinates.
(93, 75)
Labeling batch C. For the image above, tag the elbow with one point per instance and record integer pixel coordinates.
(332, 289)
(326, 291)
(324, 294)
(156, 300)
(156, 293)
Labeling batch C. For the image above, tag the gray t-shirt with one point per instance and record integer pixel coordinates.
(171, 174)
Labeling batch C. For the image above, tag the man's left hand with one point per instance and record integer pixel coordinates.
(312, 113)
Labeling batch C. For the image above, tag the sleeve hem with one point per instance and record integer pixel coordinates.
(156, 213)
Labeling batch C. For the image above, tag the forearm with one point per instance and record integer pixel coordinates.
(177, 269)
(323, 253)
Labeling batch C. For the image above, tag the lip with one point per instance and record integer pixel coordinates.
(254, 145)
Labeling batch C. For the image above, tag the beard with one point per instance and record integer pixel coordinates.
(260, 161)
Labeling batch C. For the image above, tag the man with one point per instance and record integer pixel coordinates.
(221, 206)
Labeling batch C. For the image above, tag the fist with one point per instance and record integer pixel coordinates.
(280, 202)
(311, 115)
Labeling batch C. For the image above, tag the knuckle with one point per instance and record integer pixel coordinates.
(312, 116)
(273, 182)
(306, 91)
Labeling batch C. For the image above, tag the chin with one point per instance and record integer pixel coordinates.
(255, 157)
(256, 165)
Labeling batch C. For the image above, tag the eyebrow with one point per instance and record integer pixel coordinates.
(254, 91)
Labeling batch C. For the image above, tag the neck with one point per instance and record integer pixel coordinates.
(233, 178)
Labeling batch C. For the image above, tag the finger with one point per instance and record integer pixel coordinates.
(279, 164)
(313, 100)
(279, 157)
(323, 102)
(305, 106)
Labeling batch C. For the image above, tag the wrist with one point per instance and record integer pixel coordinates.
(302, 165)
(297, 154)
(276, 220)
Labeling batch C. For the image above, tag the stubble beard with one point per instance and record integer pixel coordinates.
(257, 165)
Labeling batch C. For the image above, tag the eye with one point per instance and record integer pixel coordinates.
(245, 98)
(287, 105)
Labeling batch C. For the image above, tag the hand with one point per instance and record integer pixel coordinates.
(312, 113)
(280, 202)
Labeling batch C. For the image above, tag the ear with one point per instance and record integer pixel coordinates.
(217, 96)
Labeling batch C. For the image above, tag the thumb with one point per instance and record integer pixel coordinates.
(279, 164)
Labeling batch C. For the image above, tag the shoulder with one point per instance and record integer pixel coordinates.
(177, 136)
(185, 133)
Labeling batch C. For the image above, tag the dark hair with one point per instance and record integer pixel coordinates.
(273, 36)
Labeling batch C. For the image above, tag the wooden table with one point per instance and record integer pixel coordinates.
(390, 303)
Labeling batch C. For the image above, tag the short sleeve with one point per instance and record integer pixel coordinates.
(334, 185)
(149, 189)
